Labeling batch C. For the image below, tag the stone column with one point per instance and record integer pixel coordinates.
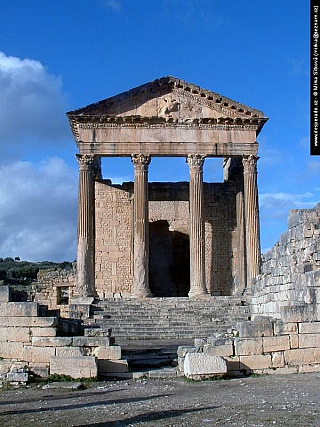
(85, 247)
(197, 249)
(252, 231)
(141, 227)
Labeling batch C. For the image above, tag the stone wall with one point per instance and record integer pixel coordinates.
(263, 346)
(33, 342)
(288, 287)
(169, 238)
(54, 288)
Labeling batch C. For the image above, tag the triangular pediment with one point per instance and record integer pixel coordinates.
(169, 98)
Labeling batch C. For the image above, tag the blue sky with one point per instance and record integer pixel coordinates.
(62, 55)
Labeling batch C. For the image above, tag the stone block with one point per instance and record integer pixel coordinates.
(309, 340)
(309, 328)
(43, 332)
(69, 351)
(106, 353)
(76, 367)
(277, 343)
(250, 363)
(39, 369)
(5, 366)
(5, 293)
(299, 356)
(11, 350)
(19, 334)
(309, 368)
(248, 346)
(91, 341)
(218, 350)
(38, 354)
(51, 341)
(281, 328)
(18, 309)
(260, 327)
(3, 334)
(294, 341)
(28, 321)
(233, 363)
(183, 350)
(112, 366)
(277, 359)
(21, 377)
(199, 365)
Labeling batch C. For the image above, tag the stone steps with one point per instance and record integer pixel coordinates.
(169, 318)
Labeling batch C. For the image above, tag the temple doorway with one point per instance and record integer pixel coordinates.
(169, 261)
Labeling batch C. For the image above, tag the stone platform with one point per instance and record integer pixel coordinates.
(177, 319)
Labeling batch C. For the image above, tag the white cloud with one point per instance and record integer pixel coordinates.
(111, 4)
(32, 105)
(38, 211)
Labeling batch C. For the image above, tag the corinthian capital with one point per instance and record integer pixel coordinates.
(85, 162)
(250, 163)
(195, 162)
(140, 162)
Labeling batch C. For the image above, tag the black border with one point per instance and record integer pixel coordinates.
(314, 83)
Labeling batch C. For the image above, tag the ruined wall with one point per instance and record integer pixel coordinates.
(288, 287)
(54, 288)
(169, 238)
(113, 211)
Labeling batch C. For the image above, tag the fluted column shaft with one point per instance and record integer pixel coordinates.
(141, 227)
(85, 245)
(197, 249)
(251, 217)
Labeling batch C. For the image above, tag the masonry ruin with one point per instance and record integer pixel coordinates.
(167, 239)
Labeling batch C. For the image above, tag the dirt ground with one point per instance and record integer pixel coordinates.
(275, 400)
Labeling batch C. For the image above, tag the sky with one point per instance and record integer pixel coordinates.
(60, 55)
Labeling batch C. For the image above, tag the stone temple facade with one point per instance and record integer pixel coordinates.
(146, 239)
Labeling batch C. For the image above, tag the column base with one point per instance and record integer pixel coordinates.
(198, 293)
(142, 294)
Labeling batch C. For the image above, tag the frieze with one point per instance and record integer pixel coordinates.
(166, 126)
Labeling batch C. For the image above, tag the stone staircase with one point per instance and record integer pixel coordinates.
(177, 319)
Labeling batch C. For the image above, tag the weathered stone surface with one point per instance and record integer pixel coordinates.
(3, 334)
(24, 321)
(276, 343)
(91, 341)
(309, 340)
(76, 367)
(5, 366)
(69, 351)
(18, 377)
(107, 353)
(199, 364)
(218, 350)
(281, 328)
(302, 356)
(18, 309)
(112, 366)
(37, 354)
(294, 341)
(19, 334)
(309, 328)
(248, 346)
(5, 293)
(260, 327)
(233, 363)
(183, 350)
(249, 363)
(43, 332)
(277, 359)
(11, 350)
(52, 341)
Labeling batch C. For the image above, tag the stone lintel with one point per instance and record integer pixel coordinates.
(174, 148)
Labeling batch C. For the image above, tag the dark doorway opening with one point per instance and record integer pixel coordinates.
(169, 261)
